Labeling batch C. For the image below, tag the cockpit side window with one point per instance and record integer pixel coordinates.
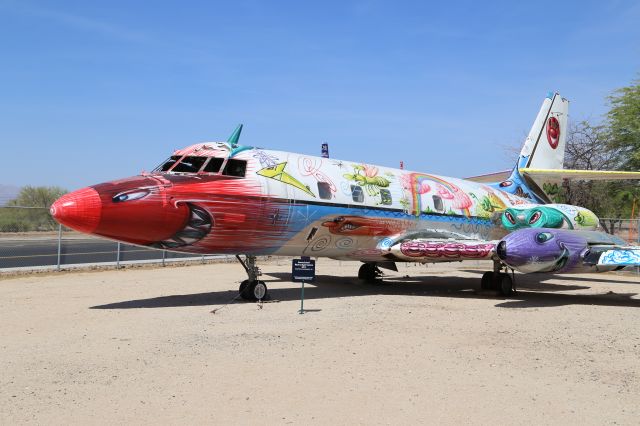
(213, 166)
(167, 164)
(189, 165)
(235, 168)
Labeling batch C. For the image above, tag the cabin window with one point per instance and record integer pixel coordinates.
(167, 164)
(385, 197)
(438, 204)
(357, 194)
(189, 165)
(324, 190)
(213, 166)
(235, 168)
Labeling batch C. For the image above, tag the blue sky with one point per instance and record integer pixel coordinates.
(93, 91)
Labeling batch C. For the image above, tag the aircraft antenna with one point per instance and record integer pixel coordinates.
(233, 139)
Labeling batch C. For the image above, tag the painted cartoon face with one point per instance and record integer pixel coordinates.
(542, 250)
(138, 210)
(358, 225)
(537, 217)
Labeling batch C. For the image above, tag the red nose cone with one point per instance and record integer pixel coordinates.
(79, 210)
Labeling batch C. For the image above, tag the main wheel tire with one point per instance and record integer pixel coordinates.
(505, 284)
(253, 290)
(259, 290)
(369, 273)
(243, 290)
(363, 271)
(486, 283)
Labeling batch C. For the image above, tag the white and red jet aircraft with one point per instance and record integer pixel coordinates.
(226, 198)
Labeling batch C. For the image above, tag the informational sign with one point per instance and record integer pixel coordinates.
(303, 270)
(325, 150)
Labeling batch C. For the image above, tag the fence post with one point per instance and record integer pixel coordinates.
(118, 258)
(59, 245)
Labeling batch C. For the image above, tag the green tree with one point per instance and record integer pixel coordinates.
(29, 211)
(587, 149)
(37, 196)
(624, 126)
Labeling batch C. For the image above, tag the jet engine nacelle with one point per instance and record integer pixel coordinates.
(553, 250)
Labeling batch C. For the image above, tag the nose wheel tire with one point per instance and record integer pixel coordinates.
(253, 290)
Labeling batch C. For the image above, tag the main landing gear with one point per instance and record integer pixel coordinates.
(498, 280)
(252, 289)
(370, 273)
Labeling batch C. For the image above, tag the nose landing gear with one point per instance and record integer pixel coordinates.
(252, 288)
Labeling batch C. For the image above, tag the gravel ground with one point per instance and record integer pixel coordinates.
(142, 346)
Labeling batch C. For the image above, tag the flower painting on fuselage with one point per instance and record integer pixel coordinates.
(218, 198)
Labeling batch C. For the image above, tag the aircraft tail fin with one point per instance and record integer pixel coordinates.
(545, 145)
(543, 149)
(538, 174)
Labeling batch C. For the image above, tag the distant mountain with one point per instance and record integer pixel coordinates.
(8, 193)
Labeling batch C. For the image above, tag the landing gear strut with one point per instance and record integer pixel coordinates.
(498, 280)
(252, 289)
(370, 273)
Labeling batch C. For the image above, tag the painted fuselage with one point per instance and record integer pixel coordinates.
(280, 203)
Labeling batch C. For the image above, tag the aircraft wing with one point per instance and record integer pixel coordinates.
(491, 177)
(579, 174)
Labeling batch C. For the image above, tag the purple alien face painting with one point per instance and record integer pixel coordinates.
(542, 250)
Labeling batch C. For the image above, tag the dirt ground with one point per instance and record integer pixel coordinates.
(142, 346)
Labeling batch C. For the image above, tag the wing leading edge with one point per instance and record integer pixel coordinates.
(579, 174)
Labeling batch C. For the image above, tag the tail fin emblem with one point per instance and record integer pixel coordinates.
(553, 132)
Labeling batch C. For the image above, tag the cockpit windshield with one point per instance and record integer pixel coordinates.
(167, 164)
(195, 164)
(189, 165)
(213, 166)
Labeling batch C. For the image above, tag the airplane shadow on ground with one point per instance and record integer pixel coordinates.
(532, 292)
(628, 279)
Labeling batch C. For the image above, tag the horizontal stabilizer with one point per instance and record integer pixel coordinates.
(545, 174)
(491, 177)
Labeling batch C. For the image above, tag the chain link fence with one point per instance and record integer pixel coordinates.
(31, 239)
(627, 229)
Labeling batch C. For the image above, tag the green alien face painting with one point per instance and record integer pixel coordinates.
(537, 217)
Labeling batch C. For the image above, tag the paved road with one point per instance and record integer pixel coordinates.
(44, 252)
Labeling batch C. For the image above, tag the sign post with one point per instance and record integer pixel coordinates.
(303, 270)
